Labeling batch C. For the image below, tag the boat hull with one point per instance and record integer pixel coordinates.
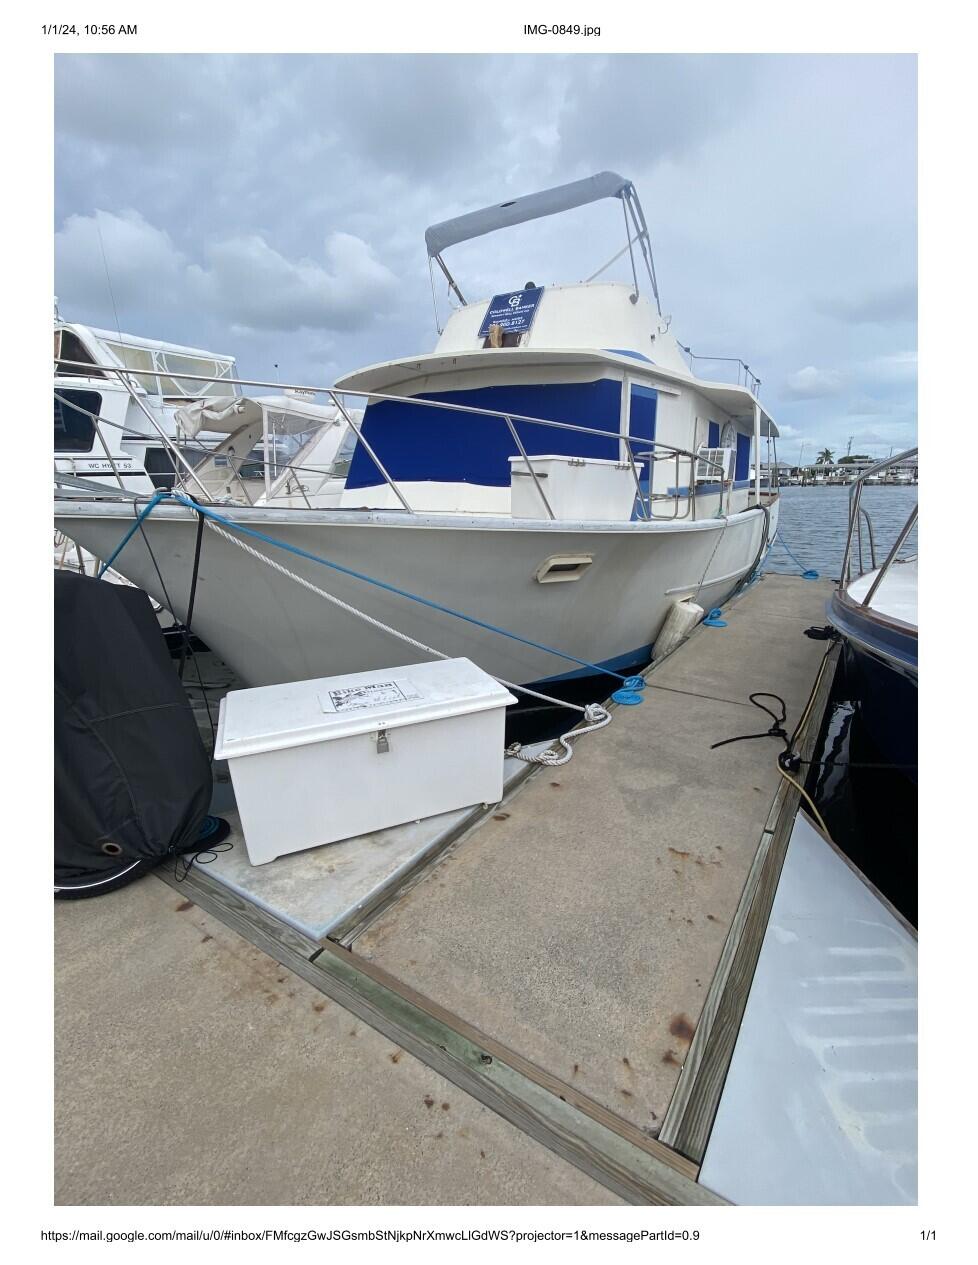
(881, 663)
(270, 629)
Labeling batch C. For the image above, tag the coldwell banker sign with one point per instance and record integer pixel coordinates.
(514, 312)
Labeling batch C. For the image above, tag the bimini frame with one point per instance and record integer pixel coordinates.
(535, 206)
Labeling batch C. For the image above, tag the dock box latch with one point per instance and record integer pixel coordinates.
(383, 742)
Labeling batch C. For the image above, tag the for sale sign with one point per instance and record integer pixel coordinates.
(514, 312)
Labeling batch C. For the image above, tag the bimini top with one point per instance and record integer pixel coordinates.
(534, 206)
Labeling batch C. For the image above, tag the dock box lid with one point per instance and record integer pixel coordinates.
(272, 717)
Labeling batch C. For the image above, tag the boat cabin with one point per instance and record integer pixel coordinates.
(136, 419)
(586, 380)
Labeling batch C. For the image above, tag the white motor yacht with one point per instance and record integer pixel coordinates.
(554, 469)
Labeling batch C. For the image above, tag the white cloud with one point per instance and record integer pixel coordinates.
(284, 195)
(123, 251)
(242, 280)
(813, 384)
(257, 287)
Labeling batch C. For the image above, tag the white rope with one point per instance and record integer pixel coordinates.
(716, 546)
(594, 714)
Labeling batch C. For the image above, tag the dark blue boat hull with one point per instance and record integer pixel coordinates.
(881, 661)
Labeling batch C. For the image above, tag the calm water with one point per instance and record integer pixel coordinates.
(814, 522)
(869, 808)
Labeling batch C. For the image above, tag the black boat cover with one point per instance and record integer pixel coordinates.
(132, 780)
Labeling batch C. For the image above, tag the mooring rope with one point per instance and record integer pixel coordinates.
(594, 714)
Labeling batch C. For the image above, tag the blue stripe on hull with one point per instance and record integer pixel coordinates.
(618, 664)
(865, 630)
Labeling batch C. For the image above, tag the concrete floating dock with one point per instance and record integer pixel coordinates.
(191, 1068)
(583, 928)
(322, 890)
(579, 962)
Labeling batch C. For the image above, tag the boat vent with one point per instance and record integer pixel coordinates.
(563, 566)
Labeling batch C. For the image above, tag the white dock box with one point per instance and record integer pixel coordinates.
(317, 761)
(575, 488)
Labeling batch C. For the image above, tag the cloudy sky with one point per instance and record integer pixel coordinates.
(274, 207)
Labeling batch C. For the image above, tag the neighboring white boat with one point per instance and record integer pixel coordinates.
(139, 432)
(553, 467)
(824, 1071)
(874, 610)
(165, 409)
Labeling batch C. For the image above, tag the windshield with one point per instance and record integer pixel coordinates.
(171, 366)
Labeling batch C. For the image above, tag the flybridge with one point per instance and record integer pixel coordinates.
(163, 369)
(535, 206)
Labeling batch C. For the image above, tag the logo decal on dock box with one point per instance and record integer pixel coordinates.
(355, 698)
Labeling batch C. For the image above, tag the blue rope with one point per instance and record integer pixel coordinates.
(631, 682)
(151, 505)
(808, 573)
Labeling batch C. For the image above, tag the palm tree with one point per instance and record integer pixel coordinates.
(824, 458)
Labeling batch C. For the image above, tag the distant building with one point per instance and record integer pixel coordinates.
(845, 472)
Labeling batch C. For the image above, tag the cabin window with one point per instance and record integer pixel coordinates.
(199, 367)
(344, 455)
(68, 346)
(139, 359)
(161, 466)
(508, 338)
(74, 429)
(212, 372)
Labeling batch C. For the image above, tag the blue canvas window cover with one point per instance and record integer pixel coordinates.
(742, 470)
(641, 421)
(417, 444)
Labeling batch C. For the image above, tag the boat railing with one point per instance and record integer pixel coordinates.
(638, 452)
(853, 560)
(745, 376)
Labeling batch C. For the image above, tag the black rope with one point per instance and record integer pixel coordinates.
(184, 862)
(788, 759)
(777, 730)
(185, 627)
(200, 851)
(188, 623)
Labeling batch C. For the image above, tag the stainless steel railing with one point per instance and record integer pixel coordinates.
(235, 462)
(651, 451)
(858, 515)
(745, 376)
